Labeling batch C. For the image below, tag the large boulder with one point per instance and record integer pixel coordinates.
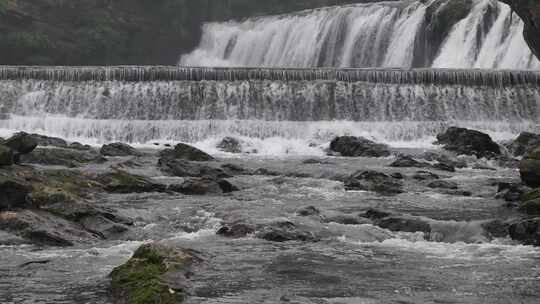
(123, 182)
(230, 144)
(511, 192)
(370, 180)
(21, 143)
(406, 161)
(119, 149)
(393, 222)
(351, 146)
(185, 152)
(526, 231)
(155, 274)
(468, 142)
(48, 141)
(529, 168)
(6, 156)
(182, 168)
(283, 231)
(524, 143)
(62, 157)
(203, 186)
(13, 191)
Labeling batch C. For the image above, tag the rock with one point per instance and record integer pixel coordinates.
(308, 211)
(496, 229)
(102, 226)
(375, 214)
(397, 175)
(511, 192)
(479, 166)
(285, 231)
(316, 161)
(230, 144)
(351, 146)
(425, 175)
(123, 182)
(444, 166)
(266, 172)
(444, 159)
(6, 156)
(531, 207)
(62, 157)
(405, 161)
(185, 152)
(468, 142)
(347, 219)
(374, 181)
(8, 239)
(236, 230)
(79, 146)
(524, 143)
(13, 191)
(182, 168)
(404, 224)
(529, 168)
(442, 184)
(119, 149)
(202, 186)
(47, 141)
(530, 194)
(154, 274)
(526, 231)
(232, 169)
(21, 143)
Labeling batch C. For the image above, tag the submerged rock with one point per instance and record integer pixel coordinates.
(524, 143)
(308, 211)
(468, 142)
(511, 192)
(370, 180)
(6, 156)
(202, 186)
(185, 152)
(182, 168)
(155, 274)
(230, 144)
(284, 231)
(529, 168)
(406, 161)
(443, 184)
(351, 146)
(236, 230)
(425, 175)
(62, 157)
(526, 231)
(119, 149)
(393, 222)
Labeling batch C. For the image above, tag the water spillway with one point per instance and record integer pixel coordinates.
(435, 33)
(300, 106)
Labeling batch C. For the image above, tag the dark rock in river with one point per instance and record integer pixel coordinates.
(230, 144)
(47, 141)
(351, 146)
(285, 231)
(496, 229)
(404, 223)
(511, 192)
(347, 219)
(526, 231)
(468, 142)
(425, 175)
(182, 168)
(236, 230)
(524, 143)
(13, 191)
(62, 157)
(119, 149)
(202, 186)
(406, 161)
(529, 168)
(22, 143)
(154, 274)
(6, 156)
(374, 181)
(123, 182)
(443, 184)
(444, 166)
(233, 169)
(79, 146)
(185, 152)
(308, 211)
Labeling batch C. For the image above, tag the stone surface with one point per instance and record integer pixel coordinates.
(119, 149)
(6, 156)
(529, 168)
(62, 157)
(370, 180)
(203, 186)
(182, 168)
(468, 142)
(351, 146)
(123, 182)
(186, 152)
(230, 144)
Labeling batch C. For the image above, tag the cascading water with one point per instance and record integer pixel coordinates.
(146, 104)
(385, 34)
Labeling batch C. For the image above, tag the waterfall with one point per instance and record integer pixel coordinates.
(384, 34)
(147, 104)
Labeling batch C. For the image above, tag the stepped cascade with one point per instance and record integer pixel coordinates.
(436, 33)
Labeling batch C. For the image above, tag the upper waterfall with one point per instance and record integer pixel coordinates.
(384, 34)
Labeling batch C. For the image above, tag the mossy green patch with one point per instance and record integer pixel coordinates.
(531, 207)
(531, 195)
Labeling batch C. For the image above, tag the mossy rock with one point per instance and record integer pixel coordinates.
(48, 196)
(531, 207)
(145, 278)
(530, 195)
(123, 182)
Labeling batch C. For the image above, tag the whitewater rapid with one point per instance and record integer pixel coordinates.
(383, 34)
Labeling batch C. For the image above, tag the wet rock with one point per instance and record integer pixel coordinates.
(6, 156)
(397, 175)
(182, 168)
(425, 175)
(479, 166)
(468, 142)
(154, 274)
(119, 149)
(236, 230)
(43, 228)
(351, 146)
(285, 231)
(316, 161)
(444, 166)
(456, 192)
(13, 191)
(370, 180)
(526, 231)
(404, 224)
(347, 219)
(62, 157)
(375, 214)
(511, 192)
(529, 168)
(21, 143)
(230, 145)
(266, 172)
(507, 162)
(79, 146)
(9, 239)
(123, 182)
(496, 229)
(406, 161)
(444, 159)
(47, 141)
(524, 143)
(233, 169)
(531, 207)
(308, 211)
(185, 152)
(102, 226)
(443, 184)
(203, 186)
